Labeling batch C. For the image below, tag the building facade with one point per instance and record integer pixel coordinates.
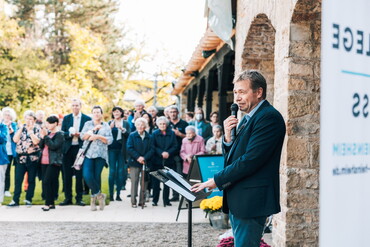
(282, 39)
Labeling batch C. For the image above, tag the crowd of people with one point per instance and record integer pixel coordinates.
(46, 148)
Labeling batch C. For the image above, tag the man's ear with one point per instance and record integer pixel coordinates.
(259, 92)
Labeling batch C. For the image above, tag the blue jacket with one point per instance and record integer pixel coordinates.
(3, 139)
(164, 143)
(250, 179)
(13, 144)
(137, 147)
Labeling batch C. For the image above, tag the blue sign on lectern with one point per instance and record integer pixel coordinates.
(204, 167)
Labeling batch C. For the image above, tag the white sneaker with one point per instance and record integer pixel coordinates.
(28, 203)
(7, 194)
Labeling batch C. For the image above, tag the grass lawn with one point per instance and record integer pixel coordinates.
(37, 196)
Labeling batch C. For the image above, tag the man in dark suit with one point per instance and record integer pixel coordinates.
(250, 179)
(72, 126)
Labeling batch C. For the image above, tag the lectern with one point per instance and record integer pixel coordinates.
(176, 182)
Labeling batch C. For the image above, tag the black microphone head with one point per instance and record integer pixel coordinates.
(234, 108)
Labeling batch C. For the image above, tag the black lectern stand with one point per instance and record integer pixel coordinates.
(176, 182)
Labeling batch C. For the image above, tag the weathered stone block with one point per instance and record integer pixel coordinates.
(302, 70)
(299, 32)
(297, 150)
(302, 104)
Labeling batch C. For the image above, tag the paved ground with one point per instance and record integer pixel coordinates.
(118, 225)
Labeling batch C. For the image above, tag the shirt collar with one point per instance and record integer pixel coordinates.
(78, 115)
(250, 115)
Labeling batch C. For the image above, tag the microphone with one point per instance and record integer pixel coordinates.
(234, 110)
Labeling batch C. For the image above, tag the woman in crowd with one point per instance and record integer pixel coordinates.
(28, 152)
(189, 117)
(214, 144)
(149, 118)
(192, 144)
(3, 157)
(214, 118)
(51, 144)
(9, 117)
(140, 152)
(100, 135)
(202, 127)
(165, 145)
(117, 153)
(152, 110)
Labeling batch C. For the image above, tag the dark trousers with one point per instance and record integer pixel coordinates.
(68, 173)
(50, 175)
(156, 190)
(20, 170)
(7, 173)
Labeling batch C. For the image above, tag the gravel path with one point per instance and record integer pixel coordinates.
(105, 234)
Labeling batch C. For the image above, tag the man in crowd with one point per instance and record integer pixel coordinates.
(139, 112)
(250, 179)
(178, 126)
(72, 126)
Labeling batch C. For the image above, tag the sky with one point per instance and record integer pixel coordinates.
(171, 29)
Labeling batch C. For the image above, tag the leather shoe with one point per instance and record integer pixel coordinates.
(80, 203)
(65, 203)
(167, 204)
(174, 199)
(118, 198)
(154, 204)
(45, 209)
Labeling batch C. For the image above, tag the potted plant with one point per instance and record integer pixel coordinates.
(212, 207)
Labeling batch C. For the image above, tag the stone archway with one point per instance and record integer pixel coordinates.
(259, 49)
(300, 191)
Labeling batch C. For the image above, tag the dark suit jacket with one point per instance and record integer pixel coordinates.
(67, 123)
(250, 179)
(137, 147)
(125, 135)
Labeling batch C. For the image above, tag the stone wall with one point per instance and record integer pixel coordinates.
(295, 72)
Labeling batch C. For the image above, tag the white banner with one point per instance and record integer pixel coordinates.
(345, 124)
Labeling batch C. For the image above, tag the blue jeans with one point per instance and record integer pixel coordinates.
(91, 171)
(116, 165)
(247, 232)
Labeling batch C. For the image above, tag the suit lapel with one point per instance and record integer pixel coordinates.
(243, 128)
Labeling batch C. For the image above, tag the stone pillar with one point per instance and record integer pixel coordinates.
(194, 92)
(210, 79)
(224, 78)
(201, 91)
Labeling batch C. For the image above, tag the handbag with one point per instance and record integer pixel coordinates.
(81, 155)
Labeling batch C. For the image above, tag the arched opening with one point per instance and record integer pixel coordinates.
(259, 51)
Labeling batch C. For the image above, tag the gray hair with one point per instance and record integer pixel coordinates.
(191, 128)
(173, 107)
(29, 113)
(256, 80)
(139, 102)
(152, 108)
(11, 112)
(217, 127)
(141, 120)
(162, 119)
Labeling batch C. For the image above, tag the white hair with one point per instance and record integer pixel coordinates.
(29, 113)
(139, 102)
(152, 108)
(162, 119)
(11, 112)
(141, 120)
(191, 128)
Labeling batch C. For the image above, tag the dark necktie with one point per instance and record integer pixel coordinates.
(242, 123)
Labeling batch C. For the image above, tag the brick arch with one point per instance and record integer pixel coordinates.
(259, 49)
(300, 173)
